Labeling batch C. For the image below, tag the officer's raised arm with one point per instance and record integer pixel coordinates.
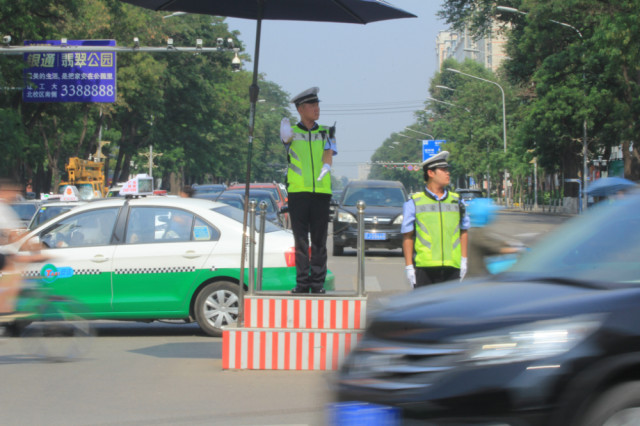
(286, 132)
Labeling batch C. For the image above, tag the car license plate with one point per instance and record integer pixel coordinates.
(363, 414)
(375, 236)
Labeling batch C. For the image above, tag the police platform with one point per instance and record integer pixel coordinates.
(283, 331)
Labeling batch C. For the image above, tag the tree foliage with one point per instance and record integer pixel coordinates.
(568, 61)
(571, 60)
(192, 108)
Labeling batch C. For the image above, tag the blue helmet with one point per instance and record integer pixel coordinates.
(481, 211)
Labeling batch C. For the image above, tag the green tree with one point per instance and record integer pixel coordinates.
(190, 107)
(573, 60)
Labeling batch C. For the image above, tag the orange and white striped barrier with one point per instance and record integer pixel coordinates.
(332, 313)
(264, 349)
(294, 333)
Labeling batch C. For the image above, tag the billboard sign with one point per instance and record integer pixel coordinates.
(70, 76)
(430, 148)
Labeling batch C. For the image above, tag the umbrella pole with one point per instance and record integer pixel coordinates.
(254, 90)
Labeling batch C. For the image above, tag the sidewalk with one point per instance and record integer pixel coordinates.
(541, 209)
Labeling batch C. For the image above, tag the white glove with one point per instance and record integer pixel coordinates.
(410, 271)
(463, 268)
(325, 169)
(286, 132)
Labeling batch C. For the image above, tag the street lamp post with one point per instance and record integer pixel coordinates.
(447, 103)
(504, 125)
(584, 122)
(421, 133)
(445, 87)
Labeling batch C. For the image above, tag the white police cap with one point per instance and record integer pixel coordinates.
(438, 160)
(308, 96)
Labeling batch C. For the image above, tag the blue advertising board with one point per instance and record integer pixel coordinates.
(70, 76)
(430, 148)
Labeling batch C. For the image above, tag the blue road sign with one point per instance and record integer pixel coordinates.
(430, 148)
(70, 76)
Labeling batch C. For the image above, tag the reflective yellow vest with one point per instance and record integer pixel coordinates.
(305, 161)
(437, 231)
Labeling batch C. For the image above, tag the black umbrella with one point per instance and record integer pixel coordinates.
(347, 11)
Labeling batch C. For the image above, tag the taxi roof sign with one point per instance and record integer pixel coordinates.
(70, 193)
(142, 184)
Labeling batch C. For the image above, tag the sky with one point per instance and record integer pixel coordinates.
(372, 79)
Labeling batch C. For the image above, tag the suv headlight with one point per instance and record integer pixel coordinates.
(398, 220)
(345, 217)
(543, 339)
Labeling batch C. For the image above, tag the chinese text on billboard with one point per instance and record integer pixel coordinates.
(70, 76)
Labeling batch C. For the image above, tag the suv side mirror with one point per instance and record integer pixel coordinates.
(284, 209)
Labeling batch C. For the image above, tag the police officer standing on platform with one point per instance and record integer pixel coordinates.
(434, 228)
(310, 148)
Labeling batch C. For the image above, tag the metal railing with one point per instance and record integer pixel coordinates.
(255, 285)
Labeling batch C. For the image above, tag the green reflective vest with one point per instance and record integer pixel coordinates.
(437, 231)
(305, 161)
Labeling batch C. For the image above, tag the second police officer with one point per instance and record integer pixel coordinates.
(435, 228)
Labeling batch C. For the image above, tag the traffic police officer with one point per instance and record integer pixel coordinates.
(310, 148)
(435, 228)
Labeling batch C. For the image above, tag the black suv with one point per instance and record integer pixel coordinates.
(555, 340)
(382, 215)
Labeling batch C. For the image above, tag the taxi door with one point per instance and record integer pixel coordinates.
(80, 258)
(156, 268)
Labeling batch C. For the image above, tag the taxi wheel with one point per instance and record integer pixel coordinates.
(217, 306)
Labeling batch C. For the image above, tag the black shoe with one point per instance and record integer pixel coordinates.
(318, 291)
(298, 290)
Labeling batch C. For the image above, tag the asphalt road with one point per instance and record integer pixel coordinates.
(168, 374)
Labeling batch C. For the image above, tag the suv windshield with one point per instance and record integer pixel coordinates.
(374, 196)
(238, 216)
(601, 245)
(469, 194)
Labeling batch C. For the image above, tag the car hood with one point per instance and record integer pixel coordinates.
(378, 211)
(440, 311)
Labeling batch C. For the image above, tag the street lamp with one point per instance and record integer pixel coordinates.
(584, 122)
(410, 137)
(447, 103)
(504, 124)
(426, 134)
(445, 87)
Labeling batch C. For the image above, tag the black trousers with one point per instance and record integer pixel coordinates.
(434, 275)
(309, 213)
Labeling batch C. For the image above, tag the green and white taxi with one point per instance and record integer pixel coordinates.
(156, 258)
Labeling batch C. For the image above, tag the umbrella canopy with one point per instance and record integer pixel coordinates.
(607, 186)
(347, 11)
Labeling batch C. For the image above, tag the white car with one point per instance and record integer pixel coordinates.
(156, 258)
